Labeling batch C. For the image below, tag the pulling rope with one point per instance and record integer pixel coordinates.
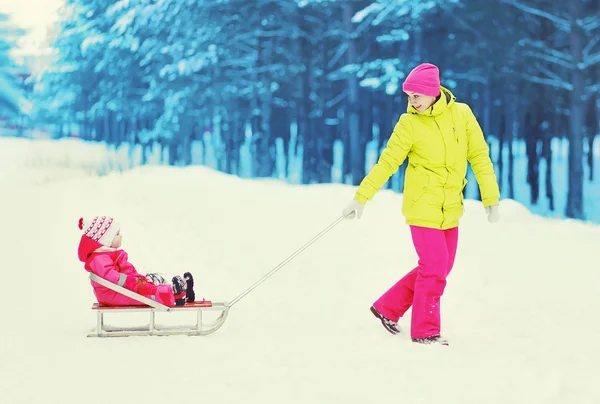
(285, 261)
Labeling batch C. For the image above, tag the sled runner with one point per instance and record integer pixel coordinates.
(152, 307)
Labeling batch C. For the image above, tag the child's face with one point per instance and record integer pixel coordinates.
(117, 240)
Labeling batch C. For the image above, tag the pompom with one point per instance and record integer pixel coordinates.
(80, 223)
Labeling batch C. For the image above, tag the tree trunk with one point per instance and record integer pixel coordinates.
(501, 143)
(185, 139)
(122, 130)
(511, 131)
(547, 155)
(173, 147)
(230, 145)
(106, 128)
(366, 124)
(387, 117)
(592, 130)
(261, 115)
(487, 107)
(218, 140)
(356, 169)
(326, 131)
(280, 128)
(574, 207)
(266, 148)
(305, 133)
(531, 140)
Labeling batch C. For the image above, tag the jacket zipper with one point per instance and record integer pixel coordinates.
(445, 166)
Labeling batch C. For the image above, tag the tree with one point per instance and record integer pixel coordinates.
(12, 99)
(571, 60)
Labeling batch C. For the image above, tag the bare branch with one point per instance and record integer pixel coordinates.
(461, 21)
(560, 23)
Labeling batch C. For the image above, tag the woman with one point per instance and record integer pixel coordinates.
(439, 136)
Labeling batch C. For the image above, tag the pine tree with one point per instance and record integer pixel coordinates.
(12, 101)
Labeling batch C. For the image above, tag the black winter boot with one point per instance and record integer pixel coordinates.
(389, 325)
(434, 339)
(189, 279)
(179, 290)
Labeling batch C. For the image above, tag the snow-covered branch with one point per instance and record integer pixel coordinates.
(339, 53)
(472, 77)
(563, 85)
(457, 17)
(591, 60)
(361, 15)
(591, 23)
(551, 74)
(383, 13)
(542, 46)
(549, 59)
(592, 89)
(339, 98)
(561, 23)
(588, 48)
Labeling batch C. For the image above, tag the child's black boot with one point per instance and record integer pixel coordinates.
(179, 290)
(189, 279)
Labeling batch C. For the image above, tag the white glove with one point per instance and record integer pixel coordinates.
(354, 208)
(492, 213)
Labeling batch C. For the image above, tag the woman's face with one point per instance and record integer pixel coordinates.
(419, 101)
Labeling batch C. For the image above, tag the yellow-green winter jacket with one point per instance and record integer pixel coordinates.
(438, 144)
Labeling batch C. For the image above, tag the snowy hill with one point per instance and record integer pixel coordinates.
(520, 308)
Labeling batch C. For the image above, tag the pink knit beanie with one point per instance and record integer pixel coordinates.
(423, 79)
(99, 228)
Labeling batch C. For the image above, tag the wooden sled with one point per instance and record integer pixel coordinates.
(152, 307)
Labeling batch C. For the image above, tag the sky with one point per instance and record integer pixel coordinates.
(519, 309)
(35, 16)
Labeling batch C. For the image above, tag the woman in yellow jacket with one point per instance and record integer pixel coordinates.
(439, 136)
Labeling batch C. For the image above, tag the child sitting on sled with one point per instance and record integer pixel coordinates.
(99, 248)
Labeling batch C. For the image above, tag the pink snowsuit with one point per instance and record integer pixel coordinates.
(111, 264)
(423, 286)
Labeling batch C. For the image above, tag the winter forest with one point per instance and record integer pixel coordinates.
(316, 85)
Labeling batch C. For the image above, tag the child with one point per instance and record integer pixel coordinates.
(439, 136)
(99, 249)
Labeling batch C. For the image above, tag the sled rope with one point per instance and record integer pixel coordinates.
(285, 261)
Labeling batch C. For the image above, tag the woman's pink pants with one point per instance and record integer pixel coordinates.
(423, 286)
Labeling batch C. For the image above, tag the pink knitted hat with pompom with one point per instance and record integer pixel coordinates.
(99, 228)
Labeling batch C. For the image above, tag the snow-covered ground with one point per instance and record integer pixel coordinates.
(520, 309)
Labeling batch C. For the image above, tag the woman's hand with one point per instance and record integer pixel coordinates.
(354, 208)
(492, 213)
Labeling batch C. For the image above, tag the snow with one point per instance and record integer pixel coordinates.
(364, 13)
(90, 41)
(520, 308)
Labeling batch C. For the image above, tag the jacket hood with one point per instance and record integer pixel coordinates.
(446, 100)
(86, 247)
